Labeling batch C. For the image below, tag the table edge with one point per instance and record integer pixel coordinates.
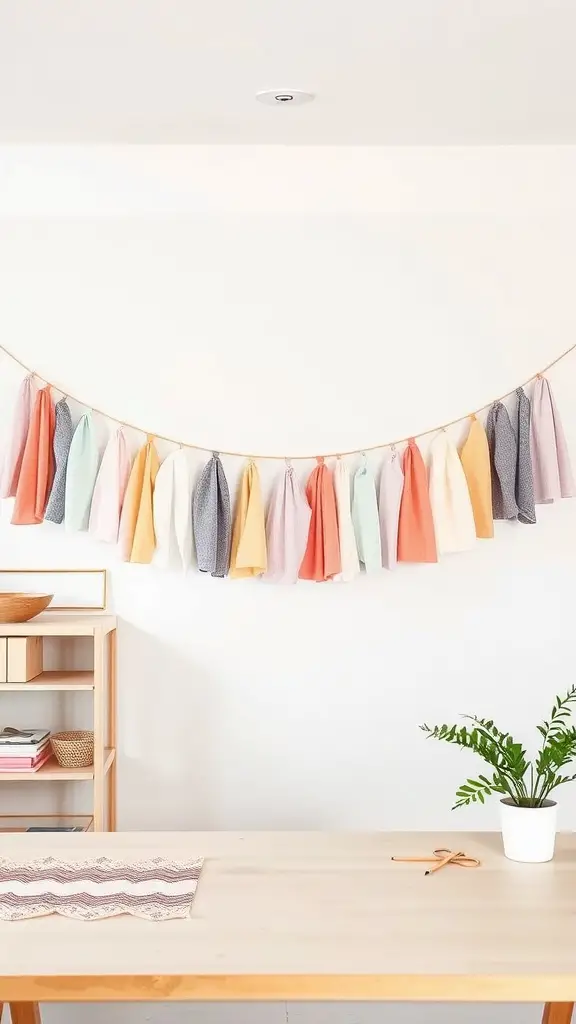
(295, 987)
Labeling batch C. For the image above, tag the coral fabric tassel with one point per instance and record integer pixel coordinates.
(416, 538)
(37, 470)
(322, 557)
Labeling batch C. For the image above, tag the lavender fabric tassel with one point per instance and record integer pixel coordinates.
(553, 477)
(12, 463)
(287, 525)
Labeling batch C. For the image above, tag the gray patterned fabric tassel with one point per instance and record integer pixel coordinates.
(524, 481)
(212, 519)
(63, 431)
(503, 462)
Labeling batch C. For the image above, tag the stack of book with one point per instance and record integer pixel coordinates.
(24, 750)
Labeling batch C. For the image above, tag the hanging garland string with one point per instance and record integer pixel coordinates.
(327, 455)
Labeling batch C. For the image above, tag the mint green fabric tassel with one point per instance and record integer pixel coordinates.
(365, 519)
(81, 475)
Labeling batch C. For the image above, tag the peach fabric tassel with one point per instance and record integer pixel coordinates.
(37, 470)
(322, 557)
(475, 459)
(416, 538)
(15, 451)
(137, 538)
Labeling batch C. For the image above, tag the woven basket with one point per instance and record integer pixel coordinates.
(73, 749)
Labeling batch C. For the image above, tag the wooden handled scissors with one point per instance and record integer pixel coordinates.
(440, 858)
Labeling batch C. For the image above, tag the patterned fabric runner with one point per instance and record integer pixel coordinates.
(157, 890)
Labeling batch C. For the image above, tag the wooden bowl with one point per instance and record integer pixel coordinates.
(22, 607)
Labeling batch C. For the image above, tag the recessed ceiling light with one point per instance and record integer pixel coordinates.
(284, 97)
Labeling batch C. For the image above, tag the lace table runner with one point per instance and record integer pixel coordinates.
(157, 890)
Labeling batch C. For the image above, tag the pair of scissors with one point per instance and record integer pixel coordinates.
(440, 858)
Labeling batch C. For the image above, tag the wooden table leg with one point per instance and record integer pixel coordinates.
(557, 1013)
(25, 1013)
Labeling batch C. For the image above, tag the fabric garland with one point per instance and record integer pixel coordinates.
(340, 522)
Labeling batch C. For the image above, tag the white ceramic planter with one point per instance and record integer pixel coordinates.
(528, 833)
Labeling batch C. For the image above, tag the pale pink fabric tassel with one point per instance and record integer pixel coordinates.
(109, 489)
(287, 525)
(389, 498)
(551, 467)
(15, 449)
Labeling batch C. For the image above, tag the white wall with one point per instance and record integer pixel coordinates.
(299, 707)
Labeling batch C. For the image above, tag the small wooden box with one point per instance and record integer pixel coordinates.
(3, 657)
(24, 660)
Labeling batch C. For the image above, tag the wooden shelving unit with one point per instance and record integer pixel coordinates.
(55, 681)
(101, 682)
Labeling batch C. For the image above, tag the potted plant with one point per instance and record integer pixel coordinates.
(528, 815)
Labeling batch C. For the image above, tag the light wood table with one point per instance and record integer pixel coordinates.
(310, 916)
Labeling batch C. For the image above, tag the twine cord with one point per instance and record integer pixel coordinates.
(289, 458)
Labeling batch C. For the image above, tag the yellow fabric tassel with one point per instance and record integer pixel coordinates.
(137, 539)
(248, 556)
(475, 459)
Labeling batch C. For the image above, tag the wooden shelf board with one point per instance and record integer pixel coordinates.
(55, 681)
(21, 822)
(60, 624)
(51, 771)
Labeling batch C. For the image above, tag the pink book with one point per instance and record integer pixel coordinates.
(24, 764)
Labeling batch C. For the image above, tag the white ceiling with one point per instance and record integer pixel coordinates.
(385, 72)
